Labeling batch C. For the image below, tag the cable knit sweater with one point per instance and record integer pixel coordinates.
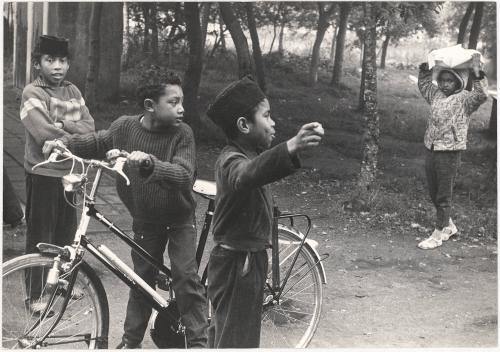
(41, 107)
(165, 195)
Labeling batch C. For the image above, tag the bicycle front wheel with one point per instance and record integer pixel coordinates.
(292, 320)
(29, 316)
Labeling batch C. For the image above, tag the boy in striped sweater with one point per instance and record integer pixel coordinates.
(159, 199)
(51, 107)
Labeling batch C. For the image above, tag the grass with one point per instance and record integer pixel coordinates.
(400, 195)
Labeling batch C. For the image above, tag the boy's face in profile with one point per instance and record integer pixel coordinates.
(447, 83)
(168, 110)
(261, 129)
(53, 69)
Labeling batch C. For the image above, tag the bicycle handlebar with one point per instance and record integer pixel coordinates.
(116, 160)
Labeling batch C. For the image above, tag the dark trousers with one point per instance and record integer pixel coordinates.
(49, 218)
(12, 211)
(189, 292)
(441, 169)
(237, 297)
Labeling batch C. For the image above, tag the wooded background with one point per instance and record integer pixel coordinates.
(110, 38)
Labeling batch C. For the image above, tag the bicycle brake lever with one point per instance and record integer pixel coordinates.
(118, 167)
(51, 159)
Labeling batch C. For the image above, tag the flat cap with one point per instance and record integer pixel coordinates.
(54, 46)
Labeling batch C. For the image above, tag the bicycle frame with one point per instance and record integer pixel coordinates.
(131, 279)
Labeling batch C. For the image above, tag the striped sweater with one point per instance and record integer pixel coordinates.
(162, 197)
(41, 107)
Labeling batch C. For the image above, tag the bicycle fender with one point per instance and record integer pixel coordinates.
(311, 246)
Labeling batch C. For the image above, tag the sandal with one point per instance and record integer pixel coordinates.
(432, 242)
(448, 231)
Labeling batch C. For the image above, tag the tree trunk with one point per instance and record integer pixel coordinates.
(361, 102)
(281, 48)
(345, 8)
(126, 40)
(192, 77)
(476, 25)
(464, 23)
(154, 32)
(323, 25)
(223, 47)
(94, 54)
(385, 45)
(275, 26)
(368, 170)
(8, 31)
(240, 41)
(147, 39)
(257, 53)
(332, 48)
(111, 50)
(205, 13)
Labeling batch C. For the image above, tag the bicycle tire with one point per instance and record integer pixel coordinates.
(84, 323)
(292, 322)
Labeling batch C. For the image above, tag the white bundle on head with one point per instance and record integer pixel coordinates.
(454, 57)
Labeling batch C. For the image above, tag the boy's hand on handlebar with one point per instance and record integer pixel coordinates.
(308, 136)
(138, 159)
(49, 146)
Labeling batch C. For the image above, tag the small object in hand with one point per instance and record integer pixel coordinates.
(319, 129)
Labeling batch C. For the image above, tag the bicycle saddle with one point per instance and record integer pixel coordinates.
(205, 188)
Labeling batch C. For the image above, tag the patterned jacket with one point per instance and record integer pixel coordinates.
(450, 116)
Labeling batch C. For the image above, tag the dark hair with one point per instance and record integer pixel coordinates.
(153, 82)
(231, 129)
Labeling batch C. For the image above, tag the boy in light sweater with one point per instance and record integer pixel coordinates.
(51, 107)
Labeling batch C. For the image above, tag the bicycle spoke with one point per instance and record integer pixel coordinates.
(75, 324)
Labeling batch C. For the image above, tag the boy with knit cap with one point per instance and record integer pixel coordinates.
(161, 169)
(243, 216)
(51, 107)
(446, 137)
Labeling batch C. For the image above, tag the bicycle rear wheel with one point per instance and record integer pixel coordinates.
(292, 321)
(84, 323)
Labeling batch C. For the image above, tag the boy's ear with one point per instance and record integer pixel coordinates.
(242, 125)
(148, 105)
(36, 65)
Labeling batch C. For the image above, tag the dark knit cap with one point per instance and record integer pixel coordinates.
(234, 101)
(54, 46)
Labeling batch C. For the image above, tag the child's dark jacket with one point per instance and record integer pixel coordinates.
(243, 205)
(162, 197)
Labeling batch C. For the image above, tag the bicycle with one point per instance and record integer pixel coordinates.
(74, 309)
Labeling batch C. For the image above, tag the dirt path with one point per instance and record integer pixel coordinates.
(382, 290)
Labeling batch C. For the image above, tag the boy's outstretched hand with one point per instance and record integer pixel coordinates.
(49, 146)
(308, 136)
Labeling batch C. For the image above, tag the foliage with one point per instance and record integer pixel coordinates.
(453, 13)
